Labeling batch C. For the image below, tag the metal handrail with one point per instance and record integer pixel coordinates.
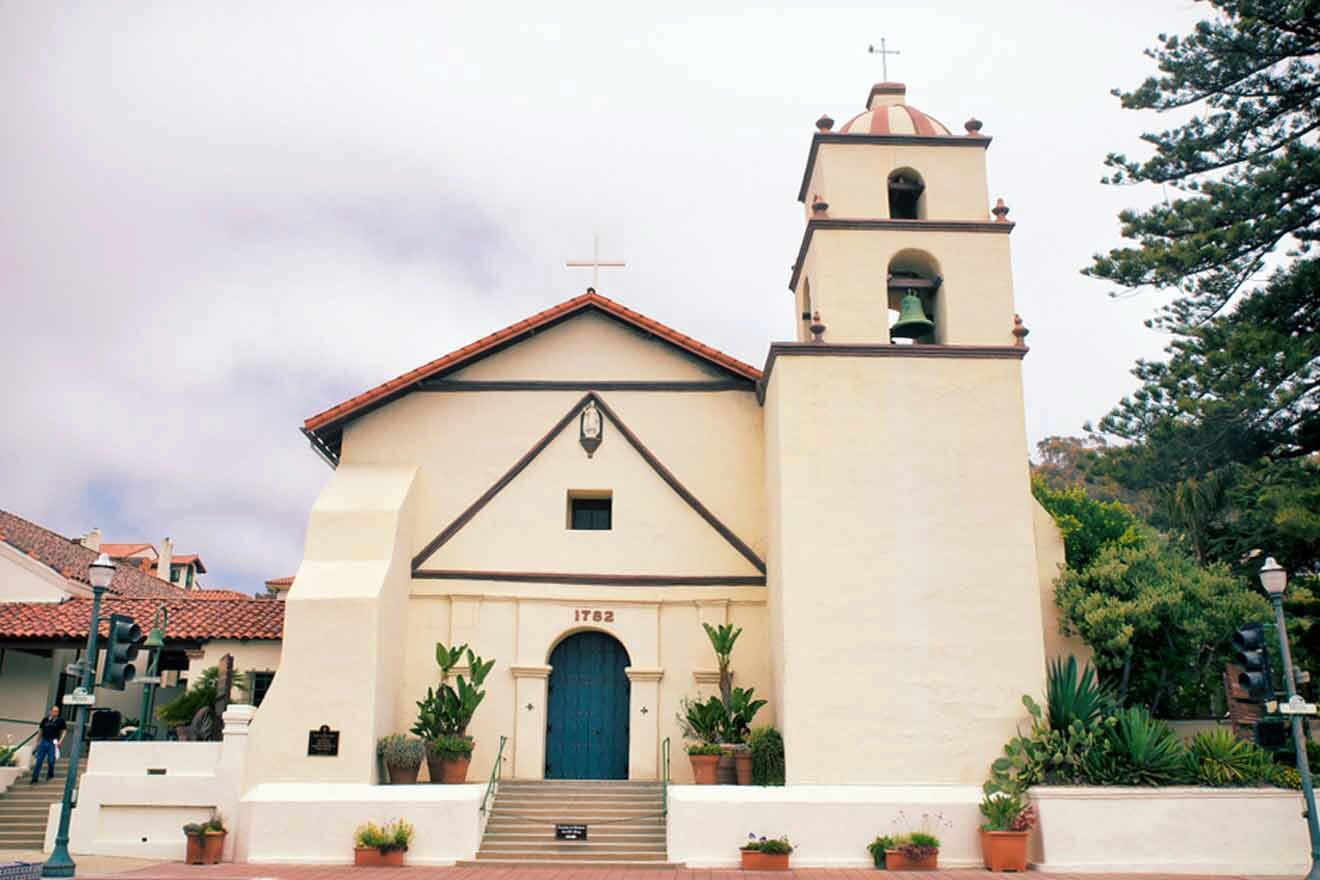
(494, 775)
(664, 777)
(30, 736)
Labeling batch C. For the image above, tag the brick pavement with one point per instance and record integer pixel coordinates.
(179, 871)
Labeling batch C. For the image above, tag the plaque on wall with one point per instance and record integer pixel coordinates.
(323, 742)
(570, 832)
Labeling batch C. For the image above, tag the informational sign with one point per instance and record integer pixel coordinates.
(74, 669)
(80, 697)
(323, 742)
(570, 832)
(147, 679)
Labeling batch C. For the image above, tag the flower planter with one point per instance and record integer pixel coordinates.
(404, 775)
(703, 768)
(726, 772)
(1004, 850)
(196, 854)
(447, 767)
(742, 760)
(213, 846)
(755, 860)
(897, 860)
(371, 857)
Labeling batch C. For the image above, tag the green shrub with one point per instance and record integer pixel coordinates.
(385, 838)
(1312, 755)
(401, 751)
(194, 829)
(1139, 750)
(216, 824)
(1219, 758)
(1045, 756)
(767, 756)
(1000, 810)
(449, 746)
(7, 758)
(774, 846)
(705, 749)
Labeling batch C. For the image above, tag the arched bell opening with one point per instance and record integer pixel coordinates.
(907, 195)
(913, 283)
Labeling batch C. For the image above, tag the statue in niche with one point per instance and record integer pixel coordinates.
(591, 429)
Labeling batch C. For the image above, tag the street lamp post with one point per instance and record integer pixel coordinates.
(1275, 580)
(60, 863)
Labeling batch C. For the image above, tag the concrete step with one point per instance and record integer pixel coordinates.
(22, 839)
(575, 856)
(547, 836)
(543, 828)
(620, 800)
(31, 825)
(560, 848)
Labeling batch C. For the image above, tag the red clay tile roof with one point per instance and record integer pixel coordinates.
(119, 551)
(189, 618)
(205, 593)
(590, 300)
(280, 582)
(70, 559)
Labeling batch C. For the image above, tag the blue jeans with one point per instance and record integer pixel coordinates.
(46, 752)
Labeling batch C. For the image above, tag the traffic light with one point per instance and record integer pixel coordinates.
(120, 651)
(1250, 654)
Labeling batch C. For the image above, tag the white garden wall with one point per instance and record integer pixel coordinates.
(829, 824)
(1175, 829)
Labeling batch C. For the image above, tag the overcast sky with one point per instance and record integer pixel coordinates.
(221, 218)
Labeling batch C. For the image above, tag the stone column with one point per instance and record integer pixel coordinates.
(233, 754)
(644, 723)
(529, 728)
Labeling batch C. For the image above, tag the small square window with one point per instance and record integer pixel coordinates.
(590, 512)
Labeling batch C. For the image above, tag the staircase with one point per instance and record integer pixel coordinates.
(625, 825)
(24, 808)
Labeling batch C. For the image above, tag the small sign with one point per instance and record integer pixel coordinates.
(147, 679)
(570, 832)
(74, 669)
(79, 697)
(323, 742)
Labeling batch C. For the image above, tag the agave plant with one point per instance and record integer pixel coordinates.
(1220, 758)
(1139, 750)
(1074, 694)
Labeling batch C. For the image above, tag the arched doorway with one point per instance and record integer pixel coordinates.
(586, 732)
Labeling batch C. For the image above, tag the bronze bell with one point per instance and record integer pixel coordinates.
(912, 322)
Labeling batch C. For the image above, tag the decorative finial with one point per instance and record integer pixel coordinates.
(817, 327)
(1020, 331)
(973, 127)
(1000, 210)
(591, 290)
(819, 205)
(825, 123)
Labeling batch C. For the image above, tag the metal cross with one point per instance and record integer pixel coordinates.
(882, 52)
(595, 263)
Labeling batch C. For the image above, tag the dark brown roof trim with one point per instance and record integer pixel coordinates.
(564, 385)
(978, 226)
(649, 457)
(604, 580)
(910, 140)
(870, 350)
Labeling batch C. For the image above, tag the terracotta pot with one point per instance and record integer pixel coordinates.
(196, 850)
(1004, 850)
(370, 857)
(703, 768)
(726, 771)
(895, 860)
(742, 760)
(213, 846)
(404, 775)
(754, 860)
(447, 769)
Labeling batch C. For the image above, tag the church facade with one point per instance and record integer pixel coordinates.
(576, 494)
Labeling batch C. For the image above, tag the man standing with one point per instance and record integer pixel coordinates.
(52, 731)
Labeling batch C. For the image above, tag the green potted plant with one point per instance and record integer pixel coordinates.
(765, 854)
(381, 846)
(704, 758)
(1008, 821)
(741, 708)
(196, 853)
(213, 840)
(878, 847)
(722, 639)
(403, 757)
(443, 717)
(919, 848)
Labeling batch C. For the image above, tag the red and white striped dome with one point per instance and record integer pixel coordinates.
(886, 114)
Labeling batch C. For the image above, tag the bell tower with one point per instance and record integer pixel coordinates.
(904, 593)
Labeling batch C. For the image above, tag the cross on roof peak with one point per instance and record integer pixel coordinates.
(595, 264)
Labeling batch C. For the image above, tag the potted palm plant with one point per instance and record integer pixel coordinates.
(704, 758)
(722, 639)
(381, 846)
(1004, 833)
(703, 723)
(443, 717)
(765, 854)
(402, 756)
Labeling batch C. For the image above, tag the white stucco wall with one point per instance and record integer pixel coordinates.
(25, 687)
(24, 579)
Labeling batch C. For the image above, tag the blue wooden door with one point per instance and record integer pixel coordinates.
(586, 734)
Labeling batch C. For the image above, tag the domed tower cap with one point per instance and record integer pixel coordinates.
(886, 94)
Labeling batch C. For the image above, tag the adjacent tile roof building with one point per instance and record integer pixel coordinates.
(190, 618)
